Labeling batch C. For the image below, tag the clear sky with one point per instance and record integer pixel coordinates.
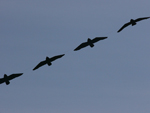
(111, 77)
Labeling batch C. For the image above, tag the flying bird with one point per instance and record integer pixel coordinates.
(48, 61)
(89, 43)
(132, 22)
(6, 78)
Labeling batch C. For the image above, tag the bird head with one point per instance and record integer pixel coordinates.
(88, 39)
(5, 76)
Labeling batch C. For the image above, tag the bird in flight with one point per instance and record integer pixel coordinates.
(48, 61)
(89, 43)
(132, 22)
(6, 78)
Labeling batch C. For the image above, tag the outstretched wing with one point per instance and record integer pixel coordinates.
(125, 25)
(139, 19)
(96, 39)
(56, 57)
(12, 76)
(2, 80)
(81, 46)
(40, 64)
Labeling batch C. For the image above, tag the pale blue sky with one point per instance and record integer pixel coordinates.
(111, 77)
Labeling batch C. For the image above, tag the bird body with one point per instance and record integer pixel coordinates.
(6, 78)
(48, 61)
(89, 43)
(132, 22)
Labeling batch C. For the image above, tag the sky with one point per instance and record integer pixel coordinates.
(111, 77)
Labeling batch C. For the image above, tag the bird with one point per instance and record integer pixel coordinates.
(6, 78)
(48, 61)
(132, 22)
(89, 43)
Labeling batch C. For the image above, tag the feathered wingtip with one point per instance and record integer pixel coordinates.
(76, 49)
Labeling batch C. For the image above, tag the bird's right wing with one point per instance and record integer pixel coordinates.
(125, 25)
(56, 57)
(12, 76)
(2, 80)
(139, 19)
(40, 64)
(96, 39)
(81, 46)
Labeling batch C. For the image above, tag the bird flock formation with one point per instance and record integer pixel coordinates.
(90, 42)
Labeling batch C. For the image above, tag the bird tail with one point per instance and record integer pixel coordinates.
(133, 24)
(7, 82)
(49, 63)
(91, 45)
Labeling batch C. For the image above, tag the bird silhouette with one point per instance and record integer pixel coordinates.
(48, 61)
(89, 43)
(132, 22)
(6, 78)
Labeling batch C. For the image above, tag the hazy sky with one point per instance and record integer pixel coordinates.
(111, 77)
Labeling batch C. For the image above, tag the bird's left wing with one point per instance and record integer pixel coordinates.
(2, 80)
(56, 57)
(125, 25)
(81, 46)
(139, 19)
(40, 64)
(12, 76)
(96, 39)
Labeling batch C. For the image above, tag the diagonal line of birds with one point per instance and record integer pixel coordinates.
(48, 61)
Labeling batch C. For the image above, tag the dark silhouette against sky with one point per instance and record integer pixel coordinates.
(48, 61)
(132, 22)
(111, 77)
(89, 43)
(6, 78)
